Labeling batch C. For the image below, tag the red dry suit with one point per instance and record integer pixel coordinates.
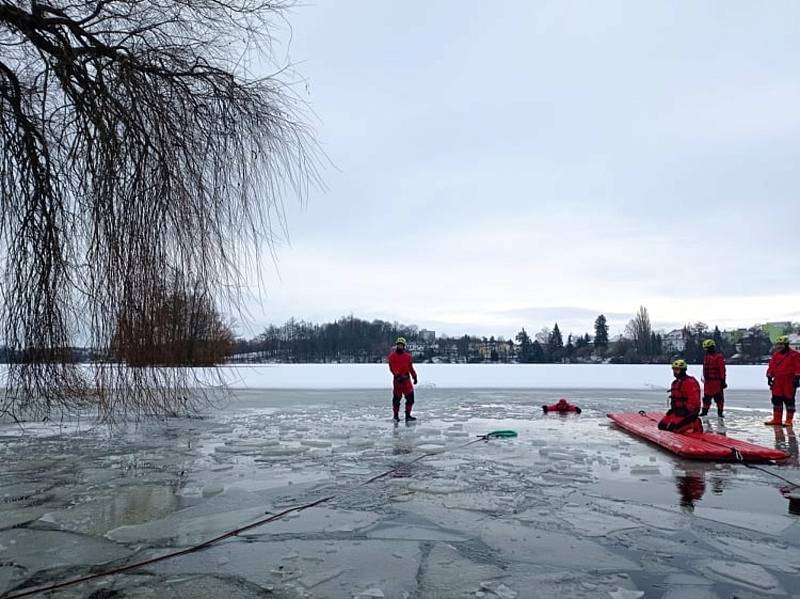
(402, 367)
(562, 407)
(684, 406)
(783, 369)
(713, 374)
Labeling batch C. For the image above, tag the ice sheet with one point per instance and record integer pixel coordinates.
(559, 511)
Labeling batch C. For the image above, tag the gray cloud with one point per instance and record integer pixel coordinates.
(573, 152)
(554, 313)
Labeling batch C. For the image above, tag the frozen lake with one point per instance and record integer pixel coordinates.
(481, 376)
(572, 507)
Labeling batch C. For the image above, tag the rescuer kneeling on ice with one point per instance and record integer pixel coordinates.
(684, 402)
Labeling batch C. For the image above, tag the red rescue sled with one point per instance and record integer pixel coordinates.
(696, 446)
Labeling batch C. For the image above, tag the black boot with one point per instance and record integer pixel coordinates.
(704, 412)
(409, 418)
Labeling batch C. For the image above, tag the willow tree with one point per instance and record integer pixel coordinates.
(134, 139)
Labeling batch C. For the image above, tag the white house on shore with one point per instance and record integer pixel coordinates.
(794, 341)
(674, 341)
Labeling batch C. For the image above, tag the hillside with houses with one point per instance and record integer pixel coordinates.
(352, 340)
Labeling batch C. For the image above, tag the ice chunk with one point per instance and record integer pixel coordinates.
(212, 489)
(22, 492)
(537, 546)
(483, 502)
(237, 449)
(683, 579)
(558, 455)
(667, 546)
(417, 533)
(253, 443)
(197, 586)
(656, 517)
(772, 555)
(641, 469)
(770, 524)
(437, 487)
(315, 579)
(221, 430)
(690, 592)
(336, 569)
(322, 520)
(9, 575)
(131, 504)
(572, 584)
(588, 522)
(282, 450)
(316, 442)
(498, 589)
(686, 586)
(17, 517)
(371, 593)
(45, 549)
(448, 573)
(746, 575)
(185, 528)
(431, 448)
(360, 442)
(426, 430)
(621, 593)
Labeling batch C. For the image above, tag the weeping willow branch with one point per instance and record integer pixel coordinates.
(132, 143)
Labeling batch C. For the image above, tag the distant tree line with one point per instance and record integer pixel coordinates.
(184, 328)
(348, 339)
(351, 339)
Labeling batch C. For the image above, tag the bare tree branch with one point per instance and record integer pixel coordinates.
(132, 146)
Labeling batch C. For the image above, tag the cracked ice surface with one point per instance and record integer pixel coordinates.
(572, 507)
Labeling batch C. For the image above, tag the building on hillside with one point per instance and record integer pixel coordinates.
(794, 341)
(733, 336)
(446, 351)
(417, 349)
(674, 341)
(426, 336)
(501, 351)
(776, 329)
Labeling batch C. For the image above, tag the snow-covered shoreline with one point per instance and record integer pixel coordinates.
(480, 376)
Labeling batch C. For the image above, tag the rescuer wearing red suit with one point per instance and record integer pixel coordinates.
(402, 367)
(783, 377)
(562, 407)
(684, 402)
(713, 378)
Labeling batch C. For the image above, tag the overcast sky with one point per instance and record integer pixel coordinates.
(510, 164)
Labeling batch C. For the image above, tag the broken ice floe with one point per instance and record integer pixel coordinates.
(771, 524)
(749, 576)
